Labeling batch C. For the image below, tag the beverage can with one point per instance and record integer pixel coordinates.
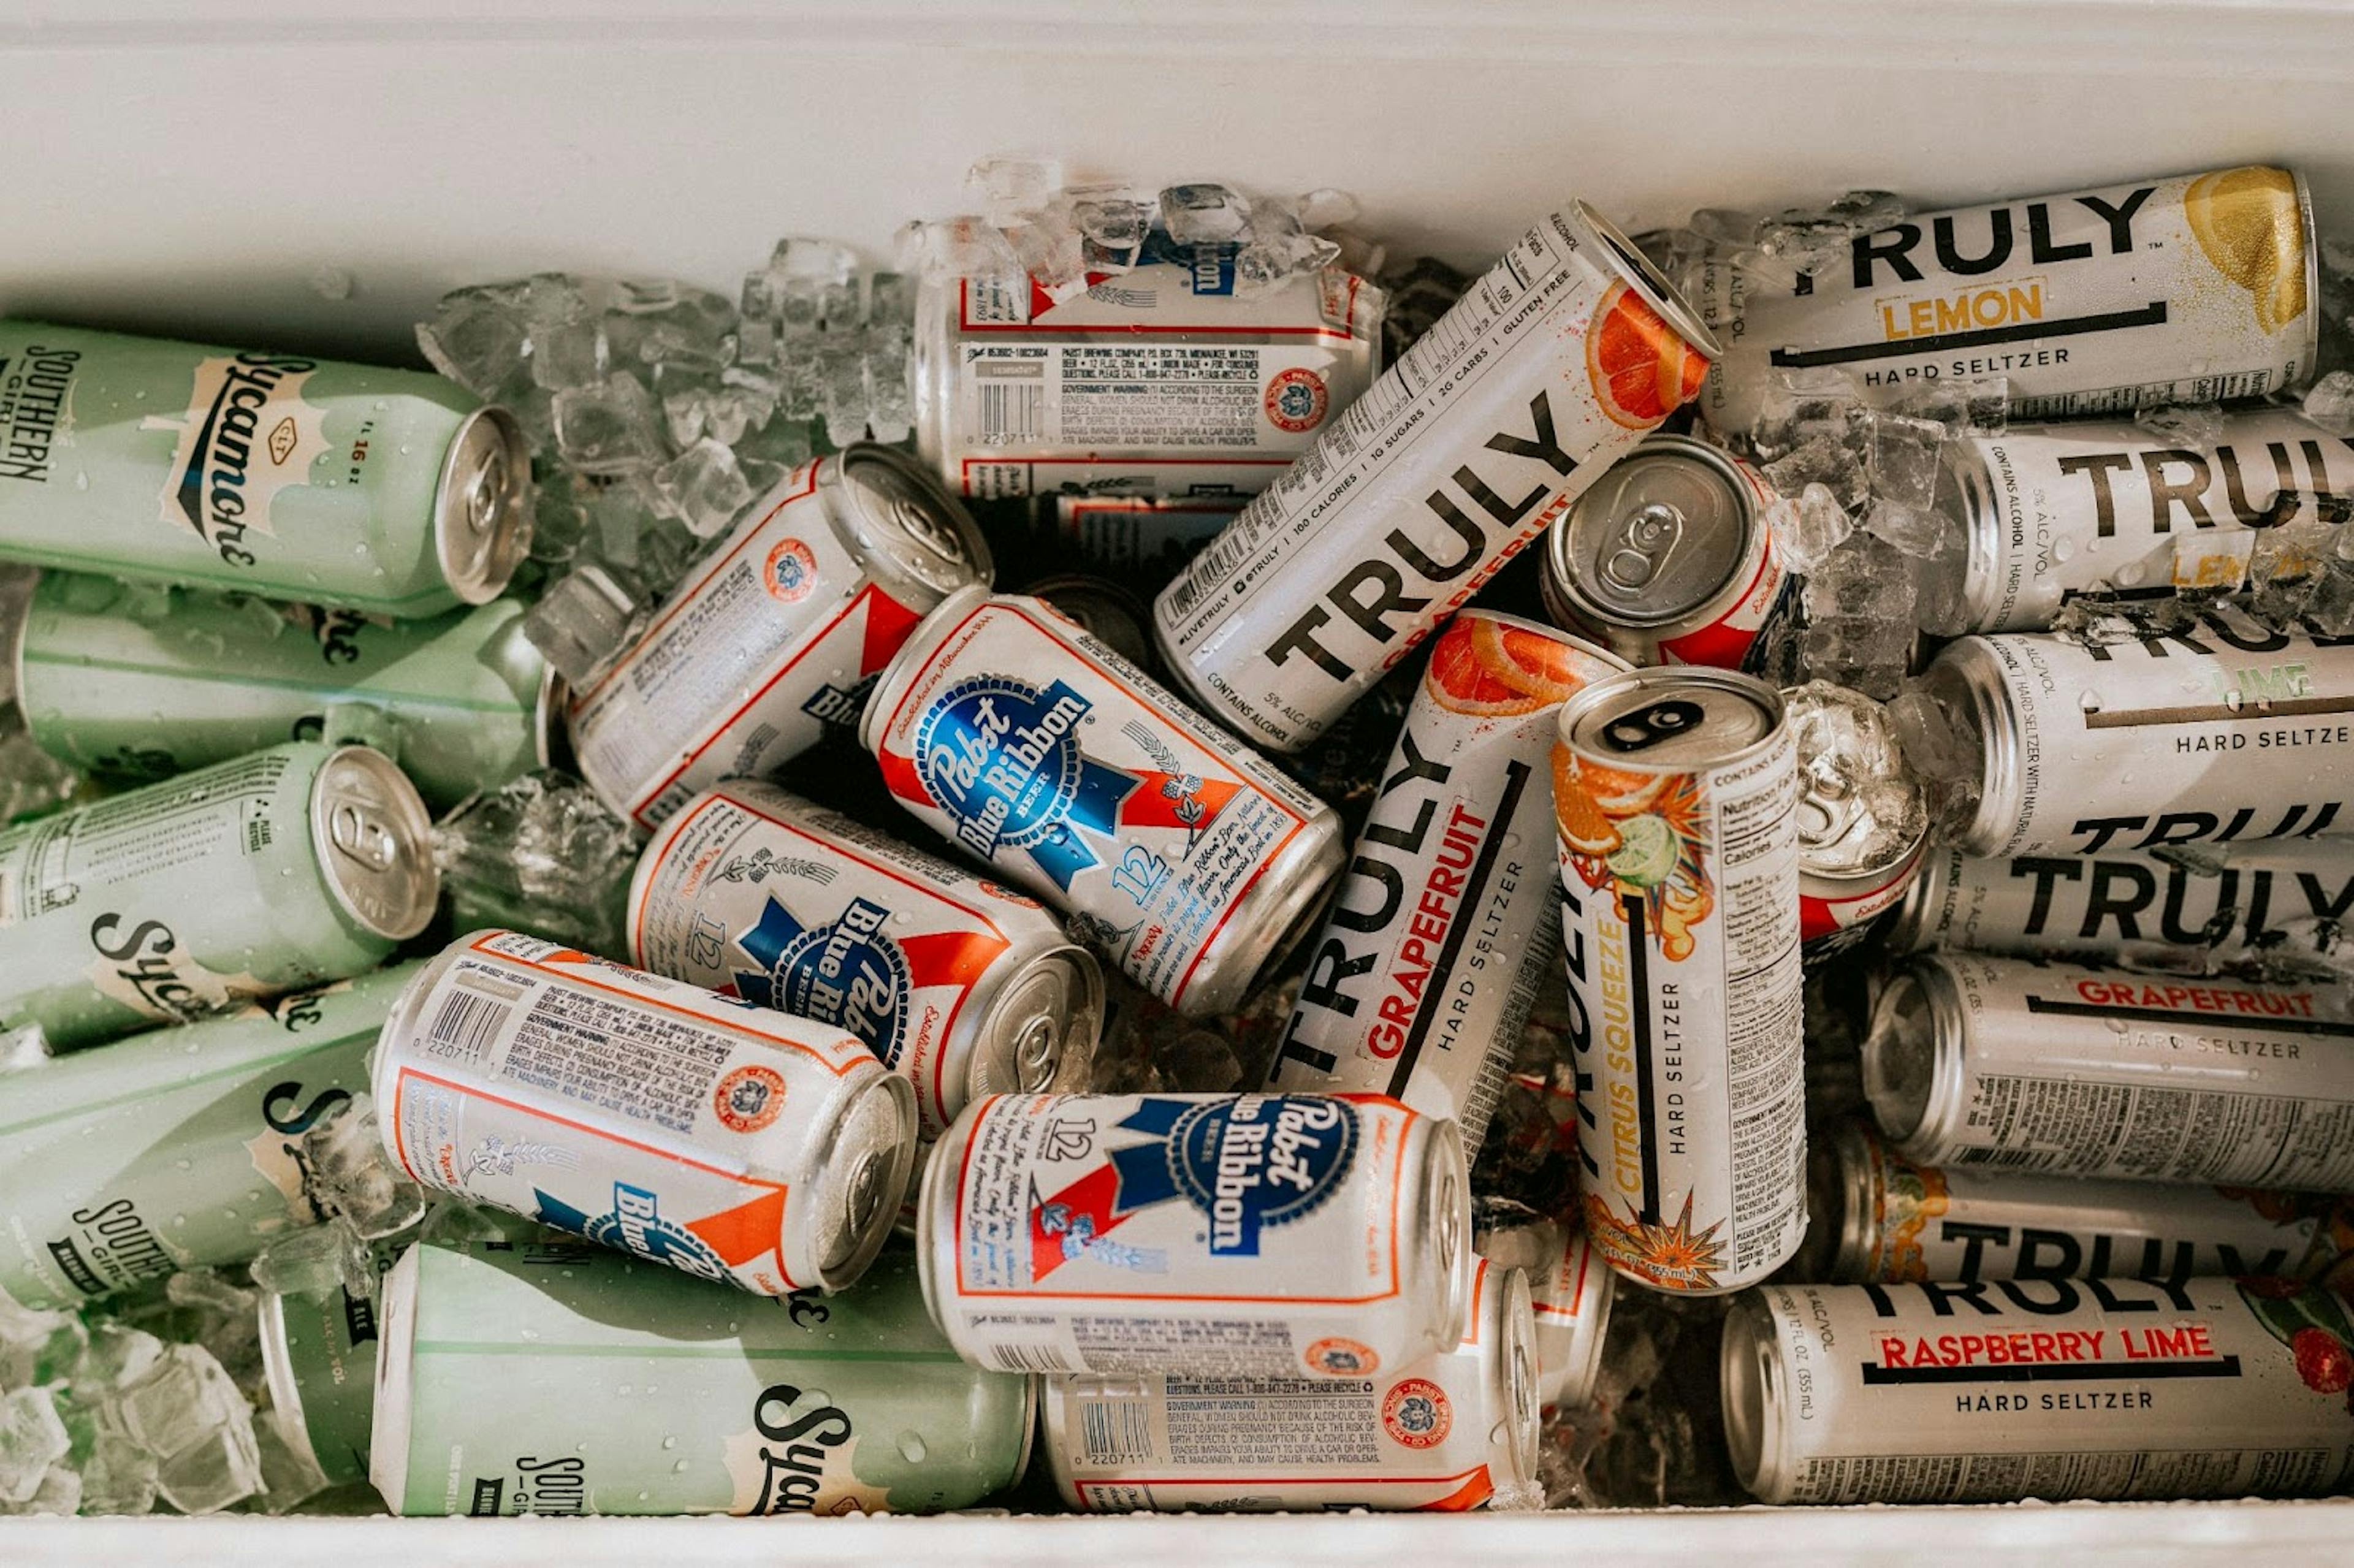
(1104, 611)
(1138, 535)
(1570, 1303)
(318, 1357)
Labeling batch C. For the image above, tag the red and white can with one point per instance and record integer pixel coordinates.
(1231, 1235)
(778, 633)
(1135, 534)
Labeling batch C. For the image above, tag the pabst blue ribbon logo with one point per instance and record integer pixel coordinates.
(1246, 1163)
(846, 972)
(710, 1248)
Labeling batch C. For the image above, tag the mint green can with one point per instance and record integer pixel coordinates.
(560, 1378)
(294, 865)
(181, 1149)
(319, 1354)
(272, 473)
(146, 684)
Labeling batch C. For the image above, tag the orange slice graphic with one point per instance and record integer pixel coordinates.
(1484, 667)
(1640, 370)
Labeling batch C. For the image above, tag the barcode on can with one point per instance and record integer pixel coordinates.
(1030, 1358)
(1012, 413)
(1115, 1431)
(466, 1026)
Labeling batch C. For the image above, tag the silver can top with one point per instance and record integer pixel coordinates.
(1507, 1344)
(1039, 1034)
(1911, 1052)
(1656, 538)
(482, 509)
(857, 1184)
(909, 533)
(374, 842)
(1104, 611)
(1670, 717)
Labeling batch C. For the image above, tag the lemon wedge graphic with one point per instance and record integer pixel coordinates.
(2246, 220)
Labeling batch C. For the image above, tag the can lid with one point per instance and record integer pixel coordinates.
(278, 1371)
(1594, 1291)
(374, 842)
(1651, 283)
(856, 1187)
(1902, 1055)
(1039, 1034)
(1657, 536)
(1840, 1208)
(1514, 1400)
(1104, 611)
(1670, 717)
(483, 513)
(1749, 1384)
(1446, 1203)
(907, 532)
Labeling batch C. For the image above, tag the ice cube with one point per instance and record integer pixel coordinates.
(1053, 253)
(115, 1355)
(475, 341)
(31, 780)
(578, 622)
(559, 521)
(1724, 226)
(1807, 529)
(691, 327)
(1008, 187)
(60, 1493)
(2194, 424)
(1821, 460)
(2329, 402)
(314, 1260)
(32, 1438)
(568, 354)
(1906, 458)
(351, 1176)
(2330, 607)
(1918, 531)
(703, 488)
(1113, 222)
(184, 1395)
(1203, 214)
(841, 370)
(784, 442)
(612, 427)
(218, 1469)
(1799, 405)
(540, 852)
(119, 1477)
(1326, 207)
(1511, 1235)
(1270, 261)
(26, 1045)
(289, 1476)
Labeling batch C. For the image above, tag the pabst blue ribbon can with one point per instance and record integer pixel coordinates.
(961, 986)
(650, 1116)
(777, 633)
(1243, 1235)
(1441, 1435)
(1552, 367)
(1675, 791)
(1996, 1391)
(1187, 861)
(1447, 922)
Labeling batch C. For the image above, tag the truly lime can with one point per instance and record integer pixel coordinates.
(148, 684)
(622, 1387)
(275, 473)
(179, 1150)
(298, 865)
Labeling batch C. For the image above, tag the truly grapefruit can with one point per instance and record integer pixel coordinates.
(1554, 365)
(1448, 921)
(1676, 793)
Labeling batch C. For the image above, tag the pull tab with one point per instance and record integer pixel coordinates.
(1647, 536)
(359, 835)
(490, 492)
(1818, 823)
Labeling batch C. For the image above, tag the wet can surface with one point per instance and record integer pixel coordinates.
(2020, 1067)
(960, 986)
(2224, 734)
(724, 1140)
(2109, 509)
(1667, 559)
(291, 866)
(1570, 1306)
(1186, 860)
(1553, 367)
(1136, 536)
(629, 1390)
(2188, 290)
(146, 685)
(1442, 1435)
(269, 473)
(1158, 381)
(778, 633)
(1880, 1217)
(1242, 1235)
(1449, 921)
(181, 1148)
(318, 1355)
(1675, 793)
(1995, 1391)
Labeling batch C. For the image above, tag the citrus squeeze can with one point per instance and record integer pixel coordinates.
(1878, 1217)
(2109, 510)
(776, 634)
(2224, 734)
(2276, 901)
(1229, 1235)
(2020, 1066)
(2188, 289)
(1161, 380)
(1552, 368)
(1440, 1435)
(962, 987)
(620, 1389)
(1174, 850)
(146, 685)
(725, 1141)
(271, 473)
(298, 865)
(1448, 919)
(1676, 793)
(181, 1148)
(318, 1355)
(1997, 1391)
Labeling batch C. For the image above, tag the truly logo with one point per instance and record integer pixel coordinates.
(248, 434)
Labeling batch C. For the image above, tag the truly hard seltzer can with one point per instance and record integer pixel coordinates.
(1161, 380)
(2226, 732)
(148, 684)
(278, 474)
(1189, 862)
(1995, 1391)
(2280, 902)
(723, 1139)
(1552, 368)
(2188, 290)
(1230, 1235)
(2020, 1066)
(777, 633)
(1877, 1216)
(960, 986)
(1136, 536)
(545, 1377)
(2112, 510)
(1668, 558)
(298, 865)
(181, 1148)
(1448, 919)
(1443, 1435)
(1675, 792)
